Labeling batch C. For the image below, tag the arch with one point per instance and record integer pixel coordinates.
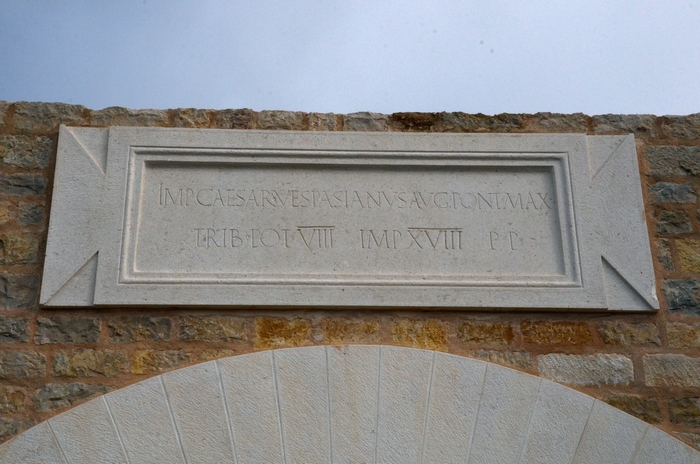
(346, 404)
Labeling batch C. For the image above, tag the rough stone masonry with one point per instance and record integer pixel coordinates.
(645, 364)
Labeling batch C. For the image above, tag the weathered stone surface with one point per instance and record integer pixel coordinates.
(39, 117)
(365, 121)
(13, 330)
(26, 151)
(671, 370)
(684, 411)
(623, 334)
(664, 254)
(486, 332)
(280, 120)
(127, 329)
(463, 122)
(669, 192)
(422, 122)
(212, 329)
(517, 359)
(151, 361)
(692, 439)
(282, 333)
(192, 118)
(211, 354)
(681, 127)
(18, 291)
(682, 296)
(338, 330)
(63, 329)
(689, 255)
(31, 214)
(11, 399)
(4, 106)
(22, 184)
(587, 370)
(235, 119)
(646, 409)
(88, 363)
(556, 333)
(673, 222)
(21, 364)
(426, 334)
(19, 248)
(670, 161)
(322, 121)
(610, 124)
(12, 427)
(7, 212)
(52, 396)
(118, 116)
(683, 335)
(561, 123)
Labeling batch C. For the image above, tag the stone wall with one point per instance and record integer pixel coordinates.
(645, 364)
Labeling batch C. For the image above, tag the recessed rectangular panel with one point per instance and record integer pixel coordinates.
(145, 216)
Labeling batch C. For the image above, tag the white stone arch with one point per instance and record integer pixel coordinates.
(324, 404)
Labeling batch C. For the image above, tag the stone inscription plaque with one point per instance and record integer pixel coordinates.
(145, 216)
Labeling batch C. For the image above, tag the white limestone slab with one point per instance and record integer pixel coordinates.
(251, 397)
(145, 423)
(87, 435)
(152, 216)
(35, 446)
(658, 446)
(454, 401)
(610, 436)
(302, 382)
(197, 401)
(506, 405)
(402, 404)
(353, 375)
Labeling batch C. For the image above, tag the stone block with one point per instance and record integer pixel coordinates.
(22, 184)
(323, 122)
(338, 331)
(463, 122)
(576, 123)
(19, 248)
(426, 334)
(118, 116)
(689, 255)
(682, 296)
(212, 329)
(282, 333)
(127, 329)
(409, 122)
(366, 121)
(58, 396)
(30, 214)
(673, 222)
(235, 119)
(211, 354)
(22, 365)
(692, 439)
(685, 411)
(26, 151)
(625, 334)
(681, 127)
(517, 359)
(669, 192)
(11, 399)
(64, 329)
(152, 361)
(44, 118)
(683, 335)
(587, 370)
(7, 212)
(89, 363)
(280, 120)
(191, 117)
(4, 106)
(664, 254)
(11, 427)
(659, 447)
(490, 333)
(673, 161)
(18, 291)
(671, 370)
(13, 330)
(556, 333)
(640, 125)
(646, 409)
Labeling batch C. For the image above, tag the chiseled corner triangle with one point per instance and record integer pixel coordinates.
(620, 294)
(80, 289)
(601, 150)
(93, 142)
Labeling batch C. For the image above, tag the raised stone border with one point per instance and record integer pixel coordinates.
(324, 404)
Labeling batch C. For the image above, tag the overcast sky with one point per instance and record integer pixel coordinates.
(344, 56)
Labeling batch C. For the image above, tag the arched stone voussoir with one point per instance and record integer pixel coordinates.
(347, 404)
